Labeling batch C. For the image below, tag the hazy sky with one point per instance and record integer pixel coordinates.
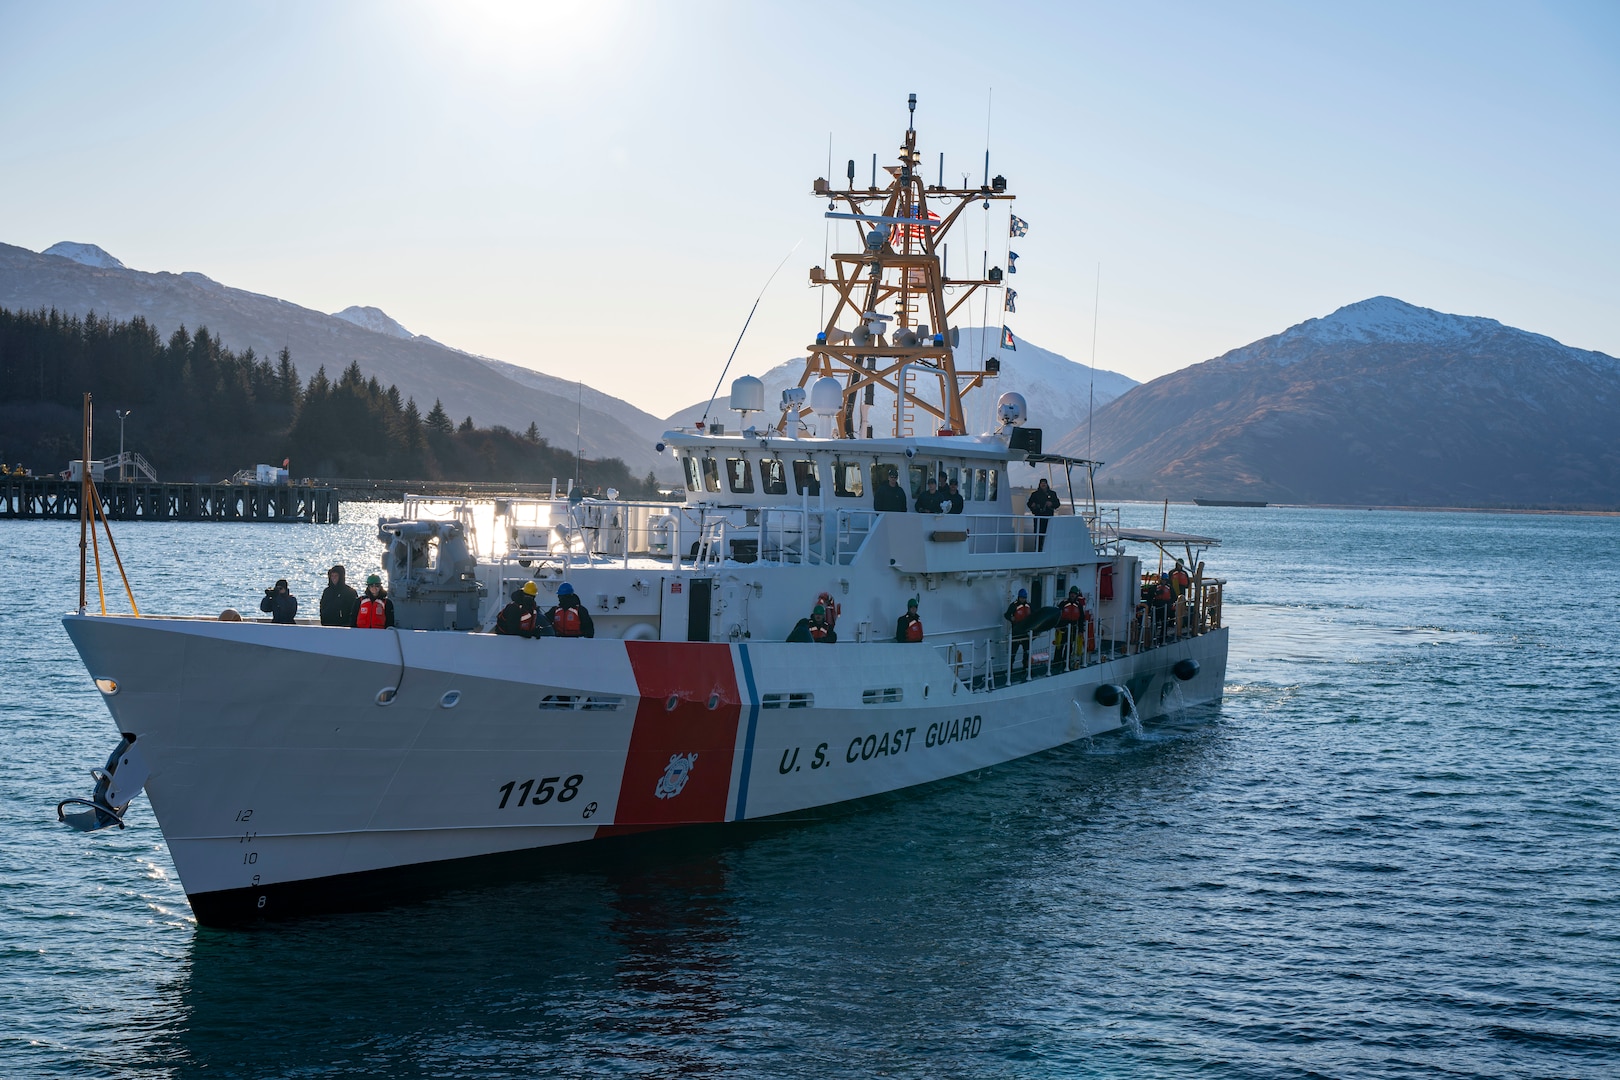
(599, 190)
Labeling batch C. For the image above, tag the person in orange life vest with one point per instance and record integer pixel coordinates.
(569, 618)
(521, 618)
(819, 630)
(908, 627)
(1071, 623)
(1043, 502)
(1180, 582)
(1017, 612)
(374, 611)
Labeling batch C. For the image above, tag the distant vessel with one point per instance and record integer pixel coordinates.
(1229, 502)
(303, 768)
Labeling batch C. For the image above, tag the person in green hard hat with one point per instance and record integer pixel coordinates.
(374, 611)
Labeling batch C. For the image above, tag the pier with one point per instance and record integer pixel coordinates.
(37, 497)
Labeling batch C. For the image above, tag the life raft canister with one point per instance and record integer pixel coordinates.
(914, 631)
(1105, 582)
(373, 615)
(566, 622)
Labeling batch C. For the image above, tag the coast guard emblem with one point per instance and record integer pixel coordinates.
(676, 774)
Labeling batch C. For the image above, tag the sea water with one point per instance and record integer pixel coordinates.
(1394, 850)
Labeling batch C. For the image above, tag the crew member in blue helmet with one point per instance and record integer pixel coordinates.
(569, 618)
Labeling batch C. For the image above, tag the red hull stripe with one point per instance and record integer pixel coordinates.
(678, 770)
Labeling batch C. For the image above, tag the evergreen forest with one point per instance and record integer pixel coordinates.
(199, 412)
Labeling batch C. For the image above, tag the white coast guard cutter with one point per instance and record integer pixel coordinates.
(302, 768)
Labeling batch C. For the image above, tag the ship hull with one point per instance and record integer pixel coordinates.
(302, 769)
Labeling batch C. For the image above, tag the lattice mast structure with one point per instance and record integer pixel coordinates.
(895, 291)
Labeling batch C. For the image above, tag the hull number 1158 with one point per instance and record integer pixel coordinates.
(544, 789)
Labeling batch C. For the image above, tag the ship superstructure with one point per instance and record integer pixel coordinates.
(330, 762)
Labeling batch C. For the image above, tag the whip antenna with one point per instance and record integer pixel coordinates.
(746, 321)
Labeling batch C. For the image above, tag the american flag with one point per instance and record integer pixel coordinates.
(898, 233)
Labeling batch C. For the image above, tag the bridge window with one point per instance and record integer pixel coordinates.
(711, 474)
(740, 476)
(847, 483)
(692, 481)
(919, 477)
(979, 485)
(992, 495)
(773, 474)
(805, 478)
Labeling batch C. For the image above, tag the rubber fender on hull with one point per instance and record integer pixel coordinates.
(1185, 669)
(1107, 695)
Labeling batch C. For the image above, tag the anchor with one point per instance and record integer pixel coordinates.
(116, 785)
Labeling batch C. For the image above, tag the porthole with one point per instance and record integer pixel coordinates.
(385, 696)
(674, 700)
(714, 701)
(450, 699)
(107, 686)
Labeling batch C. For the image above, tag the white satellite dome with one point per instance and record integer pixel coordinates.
(748, 395)
(826, 396)
(1011, 408)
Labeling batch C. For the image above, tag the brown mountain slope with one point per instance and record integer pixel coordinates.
(1380, 403)
(419, 366)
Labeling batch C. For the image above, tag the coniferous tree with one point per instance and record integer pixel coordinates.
(439, 420)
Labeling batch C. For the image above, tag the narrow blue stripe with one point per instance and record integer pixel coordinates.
(748, 744)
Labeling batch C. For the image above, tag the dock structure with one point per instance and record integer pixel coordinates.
(39, 497)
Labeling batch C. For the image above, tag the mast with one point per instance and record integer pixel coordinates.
(890, 322)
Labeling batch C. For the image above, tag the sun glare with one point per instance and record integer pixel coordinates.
(523, 39)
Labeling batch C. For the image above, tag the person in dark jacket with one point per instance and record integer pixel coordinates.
(374, 611)
(909, 627)
(338, 599)
(569, 618)
(952, 499)
(280, 603)
(1043, 502)
(1018, 611)
(522, 617)
(929, 501)
(890, 497)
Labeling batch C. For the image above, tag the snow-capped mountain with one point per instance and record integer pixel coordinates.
(84, 255)
(1058, 390)
(374, 319)
(1379, 403)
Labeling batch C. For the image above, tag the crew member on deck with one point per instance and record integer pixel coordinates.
(280, 603)
(1043, 502)
(522, 618)
(952, 499)
(890, 497)
(1017, 612)
(1180, 582)
(928, 500)
(338, 599)
(1071, 624)
(819, 629)
(908, 627)
(569, 618)
(375, 611)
